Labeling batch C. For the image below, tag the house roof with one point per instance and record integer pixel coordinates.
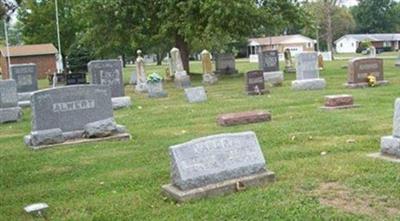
(28, 50)
(372, 37)
(283, 39)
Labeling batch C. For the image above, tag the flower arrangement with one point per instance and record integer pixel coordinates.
(154, 78)
(371, 80)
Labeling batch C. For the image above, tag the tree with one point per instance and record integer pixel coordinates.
(377, 16)
(7, 7)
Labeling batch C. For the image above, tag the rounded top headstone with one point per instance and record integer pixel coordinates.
(174, 49)
(205, 52)
(139, 52)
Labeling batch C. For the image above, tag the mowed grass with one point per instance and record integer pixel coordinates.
(121, 180)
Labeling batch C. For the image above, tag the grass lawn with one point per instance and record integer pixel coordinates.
(121, 180)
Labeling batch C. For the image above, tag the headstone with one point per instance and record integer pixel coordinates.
(141, 85)
(208, 74)
(372, 51)
(25, 76)
(397, 64)
(342, 101)
(196, 94)
(216, 165)
(133, 79)
(255, 84)
(289, 68)
(231, 119)
(108, 72)
(269, 63)
(182, 80)
(75, 78)
(62, 113)
(390, 145)
(225, 64)
(360, 68)
(9, 110)
(307, 73)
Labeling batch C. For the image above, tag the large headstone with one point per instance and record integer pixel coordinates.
(196, 94)
(225, 64)
(63, 113)
(307, 73)
(255, 84)
(208, 74)
(9, 110)
(360, 68)
(269, 63)
(26, 77)
(216, 165)
(182, 80)
(108, 72)
(390, 145)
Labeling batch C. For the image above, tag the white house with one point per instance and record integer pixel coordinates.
(350, 43)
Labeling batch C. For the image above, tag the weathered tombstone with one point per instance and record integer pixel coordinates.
(208, 75)
(109, 72)
(25, 76)
(141, 85)
(133, 79)
(269, 63)
(255, 84)
(72, 112)
(320, 62)
(75, 78)
(343, 101)
(372, 51)
(390, 145)
(9, 110)
(225, 64)
(360, 68)
(182, 80)
(289, 68)
(397, 64)
(196, 94)
(249, 117)
(155, 86)
(307, 73)
(216, 165)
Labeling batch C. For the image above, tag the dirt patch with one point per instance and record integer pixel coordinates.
(342, 198)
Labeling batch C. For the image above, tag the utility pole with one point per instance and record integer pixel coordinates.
(61, 65)
(8, 48)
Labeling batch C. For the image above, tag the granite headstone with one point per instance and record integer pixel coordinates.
(269, 61)
(108, 72)
(196, 94)
(307, 66)
(26, 77)
(360, 68)
(9, 110)
(225, 64)
(255, 84)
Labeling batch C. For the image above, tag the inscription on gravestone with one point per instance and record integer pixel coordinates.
(108, 72)
(225, 64)
(269, 61)
(307, 64)
(26, 77)
(255, 82)
(360, 68)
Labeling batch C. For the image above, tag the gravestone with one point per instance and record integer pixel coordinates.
(25, 76)
(231, 119)
(289, 68)
(390, 145)
(269, 63)
(208, 75)
(360, 68)
(75, 78)
(397, 64)
(156, 90)
(216, 165)
(255, 84)
(343, 101)
(133, 79)
(307, 73)
(196, 94)
(225, 64)
(141, 85)
(70, 112)
(109, 73)
(9, 110)
(182, 80)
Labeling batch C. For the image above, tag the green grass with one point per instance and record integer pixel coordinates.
(121, 180)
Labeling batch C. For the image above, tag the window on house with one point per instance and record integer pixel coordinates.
(341, 45)
(387, 44)
(309, 45)
(352, 44)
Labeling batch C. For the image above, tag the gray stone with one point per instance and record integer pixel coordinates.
(307, 66)
(215, 159)
(26, 77)
(46, 137)
(10, 114)
(36, 208)
(396, 118)
(390, 146)
(209, 79)
(25, 96)
(156, 90)
(133, 79)
(274, 78)
(8, 94)
(269, 61)
(182, 82)
(121, 102)
(196, 94)
(108, 72)
(24, 103)
(225, 64)
(255, 83)
(310, 84)
(102, 128)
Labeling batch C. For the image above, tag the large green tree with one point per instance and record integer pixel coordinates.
(377, 16)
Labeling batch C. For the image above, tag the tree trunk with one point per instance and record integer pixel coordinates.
(185, 51)
(159, 58)
(330, 6)
(123, 60)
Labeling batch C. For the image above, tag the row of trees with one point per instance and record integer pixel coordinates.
(104, 28)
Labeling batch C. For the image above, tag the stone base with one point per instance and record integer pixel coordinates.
(290, 70)
(222, 188)
(24, 103)
(274, 78)
(141, 88)
(209, 79)
(26, 96)
(309, 84)
(10, 114)
(158, 94)
(182, 82)
(340, 107)
(121, 102)
(231, 119)
(120, 136)
(384, 157)
(226, 72)
(390, 146)
(362, 85)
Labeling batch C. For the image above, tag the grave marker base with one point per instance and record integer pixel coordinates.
(217, 189)
(11, 114)
(362, 85)
(340, 107)
(381, 156)
(274, 78)
(121, 102)
(309, 84)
